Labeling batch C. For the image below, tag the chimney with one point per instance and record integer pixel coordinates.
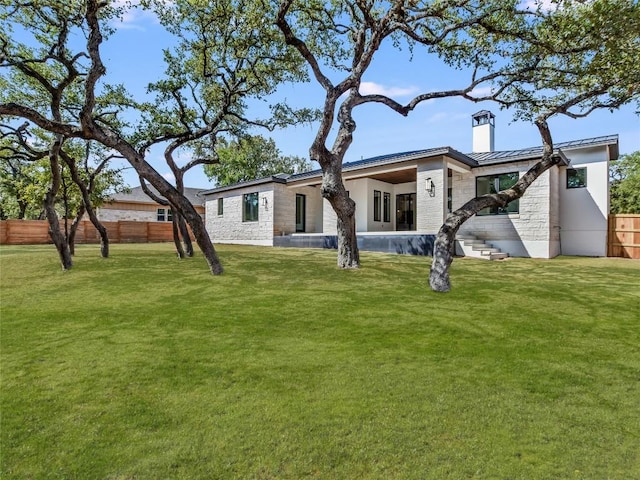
(483, 126)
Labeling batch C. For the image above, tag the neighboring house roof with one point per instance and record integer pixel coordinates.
(473, 160)
(137, 195)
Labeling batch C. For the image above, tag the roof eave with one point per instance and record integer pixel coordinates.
(250, 183)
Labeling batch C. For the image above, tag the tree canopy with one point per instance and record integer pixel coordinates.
(226, 53)
(251, 157)
(625, 184)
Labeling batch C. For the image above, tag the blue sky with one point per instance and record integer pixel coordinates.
(133, 56)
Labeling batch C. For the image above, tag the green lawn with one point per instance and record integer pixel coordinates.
(146, 367)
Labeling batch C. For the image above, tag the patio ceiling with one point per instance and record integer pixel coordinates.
(399, 176)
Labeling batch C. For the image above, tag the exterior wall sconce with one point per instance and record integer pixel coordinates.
(265, 202)
(430, 187)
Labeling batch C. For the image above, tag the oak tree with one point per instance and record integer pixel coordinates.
(570, 59)
(227, 54)
(251, 157)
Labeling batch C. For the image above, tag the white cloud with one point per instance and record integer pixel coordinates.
(169, 177)
(133, 16)
(481, 91)
(372, 88)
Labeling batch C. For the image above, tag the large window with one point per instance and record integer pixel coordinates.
(495, 184)
(377, 205)
(250, 207)
(387, 207)
(301, 212)
(220, 207)
(449, 190)
(576, 177)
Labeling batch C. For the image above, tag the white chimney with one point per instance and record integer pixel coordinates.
(483, 126)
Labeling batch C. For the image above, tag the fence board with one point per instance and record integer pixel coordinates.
(34, 232)
(624, 236)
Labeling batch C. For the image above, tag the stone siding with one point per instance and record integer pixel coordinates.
(285, 212)
(229, 227)
(526, 233)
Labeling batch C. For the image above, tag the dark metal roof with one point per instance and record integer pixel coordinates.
(390, 159)
(471, 159)
(490, 158)
(277, 178)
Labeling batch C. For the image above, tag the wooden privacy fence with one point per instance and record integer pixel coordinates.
(624, 236)
(31, 232)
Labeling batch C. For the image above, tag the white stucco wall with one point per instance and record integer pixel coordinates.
(584, 211)
(229, 227)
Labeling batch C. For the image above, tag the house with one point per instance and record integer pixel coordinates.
(137, 206)
(402, 200)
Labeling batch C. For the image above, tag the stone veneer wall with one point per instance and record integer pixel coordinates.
(113, 215)
(229, 227)
(285, 212)
(430, 209)
(524, 234)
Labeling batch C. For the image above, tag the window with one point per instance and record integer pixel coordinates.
(160, 216)
(169, 215)
(495, 184)
(250, 207)
(449, 190)
(576, 177)
(220, 207)
(301, 208)
(387, 207)
(377, 204)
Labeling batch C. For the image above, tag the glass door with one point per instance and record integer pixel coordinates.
(405, 211)
(300, 212)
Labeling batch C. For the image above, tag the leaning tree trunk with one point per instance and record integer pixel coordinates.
(176, 235)
(186, 236)
(201, 235)
(74, 229)
(87, 205)
(443, 248)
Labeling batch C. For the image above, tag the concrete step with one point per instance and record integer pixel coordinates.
(471, 246)
(489, 250)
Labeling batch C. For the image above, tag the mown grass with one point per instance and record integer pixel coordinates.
(142, 366)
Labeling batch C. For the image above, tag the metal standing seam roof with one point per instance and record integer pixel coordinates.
(471, 159)
(489, 158)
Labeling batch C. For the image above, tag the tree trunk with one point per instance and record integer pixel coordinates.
(186, 237)
(176, 235)
(443, 248)
(74, 228)
(202, 238)
(59, 240)
(443, 251)
(348, 254)
(333, 190)
(87, 206)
